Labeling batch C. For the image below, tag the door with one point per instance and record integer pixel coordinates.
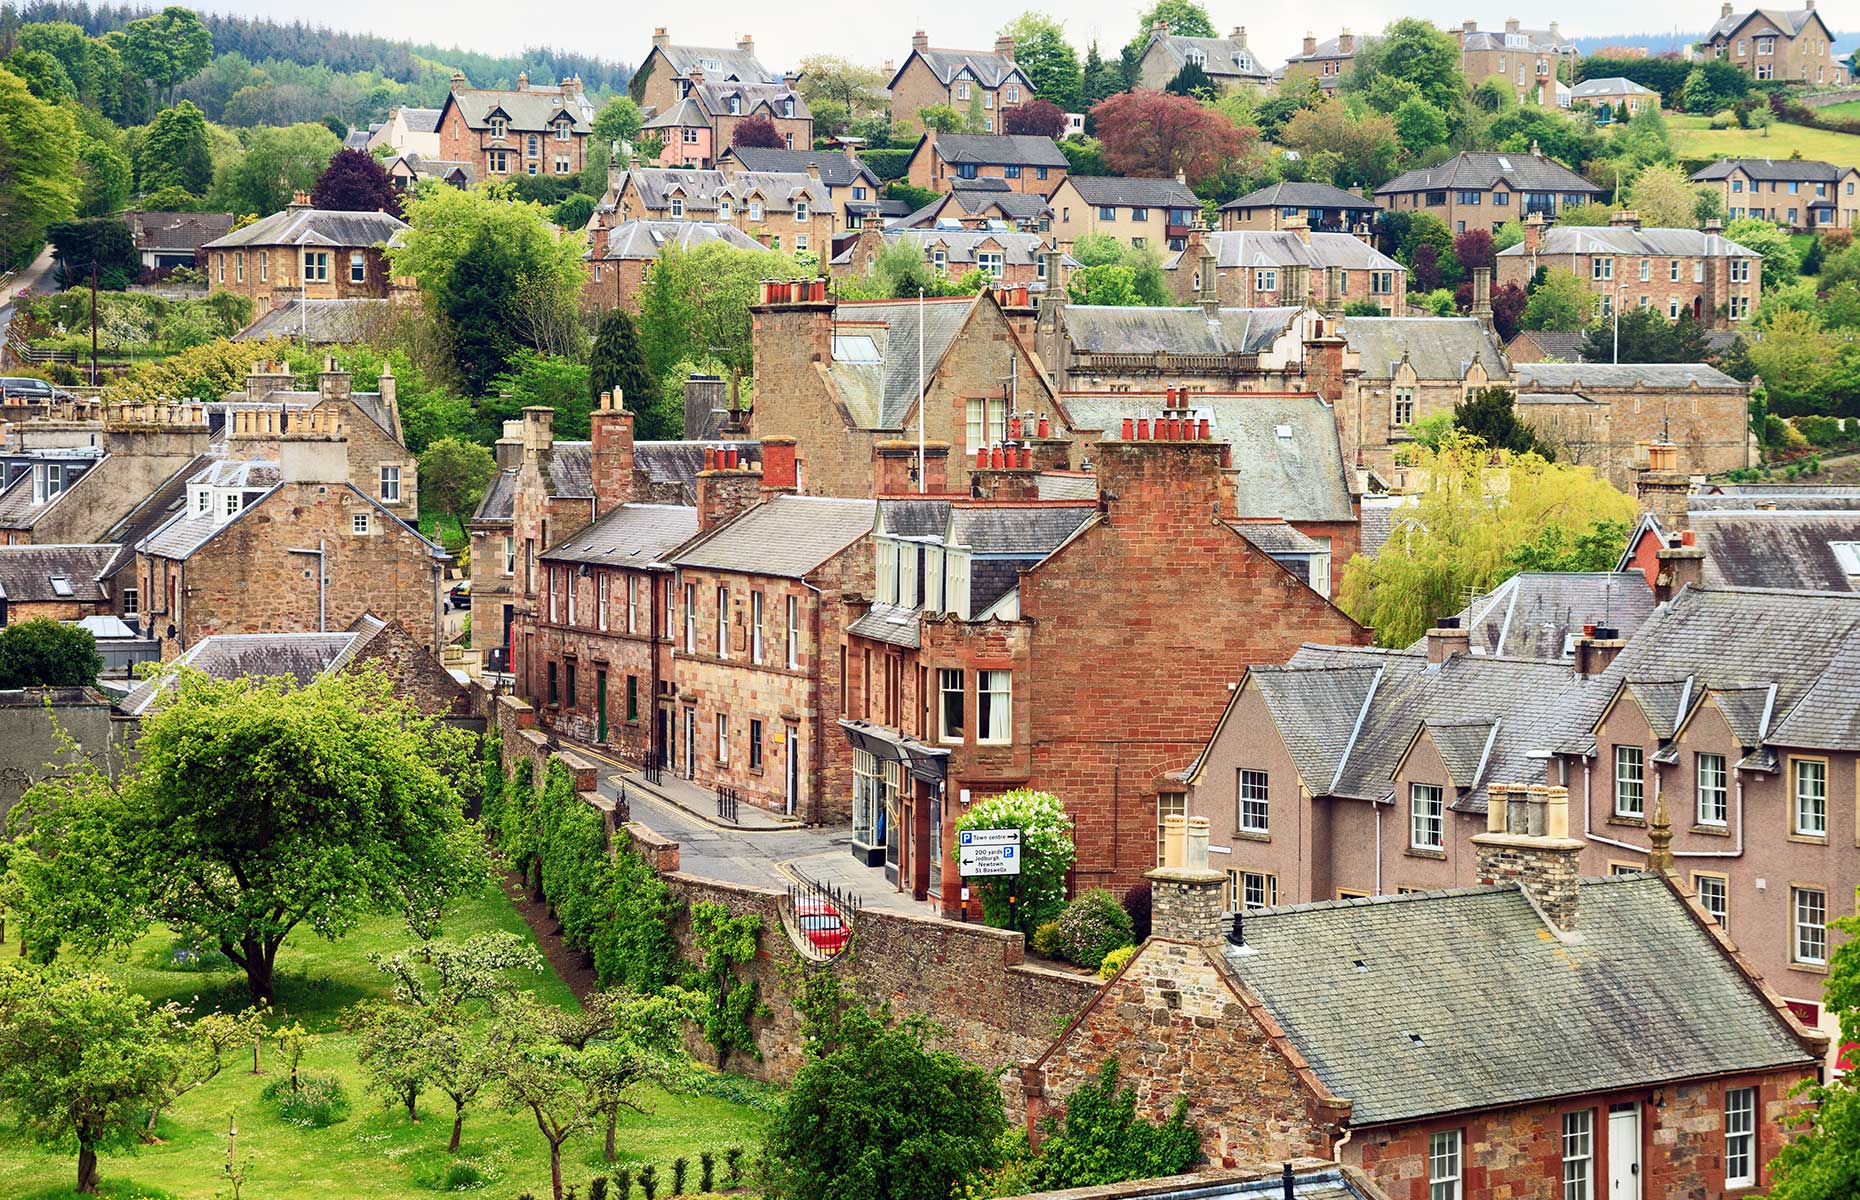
(690, 743)
(1624, 1152)
(600, 706)
(791, 745)
(661, 752)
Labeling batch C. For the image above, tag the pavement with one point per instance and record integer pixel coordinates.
(36, 276)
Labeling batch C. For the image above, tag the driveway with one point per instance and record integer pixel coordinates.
(37, 276)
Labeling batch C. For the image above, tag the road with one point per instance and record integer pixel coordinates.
(36, 276)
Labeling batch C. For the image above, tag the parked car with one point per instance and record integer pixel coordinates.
(25, 387)
(821, 923)
(460, 595)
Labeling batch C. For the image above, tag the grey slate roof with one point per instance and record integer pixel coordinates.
(1789, 21)
(1316, 711)
(313, 227)
(1624, 239)
(778, 191)
(1557, 1017)
(1479, 170)
(716, 95)
(1574, 377)
(1779, 548)
(874, 363)
(571, 469)
(1116, 191)
(301, 656)
(676, 464)
(1022, 531)
(643, 239)
(499, 500)
(1221, 58)
(1275, 538)
(1328, 48)
(836, 169)
(788, 536)
(687, 111)
(632, 535)
(1300, 195)
(176, 231)
(1494, 39)
(34, 574)
(1766, 170)
(962, 245)
(318, 322)
(718, 62)
(1534, 614)
(1246, 248)
(420, 120)
(158, 507)
(1613, 85)
(1107, 329)
(532, 110)
(1437, 347)
(984, 66)
(891, 624)
(999, 149)
(1013, 206)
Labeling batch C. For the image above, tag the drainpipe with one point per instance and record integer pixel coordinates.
(653, 593)
(1378, 812)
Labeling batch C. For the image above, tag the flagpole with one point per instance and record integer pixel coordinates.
(922, 480)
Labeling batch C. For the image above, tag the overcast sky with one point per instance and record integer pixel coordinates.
(874, 30)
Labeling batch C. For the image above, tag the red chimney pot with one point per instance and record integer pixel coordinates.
(1688, 538)
(1013, 429)
(732, 460)
(1207, 428)
(1026, 457)
(1143, 429)
(1130, 431)
(994, 457)
(1045, 427)
(981, 458)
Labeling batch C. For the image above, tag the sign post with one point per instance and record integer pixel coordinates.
(988, 852)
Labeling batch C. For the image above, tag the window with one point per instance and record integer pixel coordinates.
(988, 99)
(239, 266)
(755, 210)
(571, 682)
(499, 126)
(534, 145)
(1713, 894)
(1672, 271)
(678, 206)
(949, 712)
(510, 554)
(723, 622)
(755, 744)
(1107, 212)
(602, 583)
(1740, 270)
(390, 484)
(1467, 197)
(1672, 308)
(723, 208)
(1382, 283)
(132, 601)
(1252, 889)
(1811, 797)
(755, 627)
(1443, 1166)
(498, 161)
(990, 263)
(316, 266)
(1402, 414)
(232, 503)
(987, 422)
(632, 603)
(632, 697)
(358, 523)
(1740, 1137)
(1171, 804)
(1601, 268)
(264, 263)
(800, 212)
(994, 701)
(563, 164)
(1139, 214)
(1810, 919)
(552, 695)
(1040, 173)
(1630, 800)
(1253, 811)
(690, 618)
(358, 267)
(562, 131)
(723, 737)
(794, 633)
(1426, 816)
(1709, 772)
(569, 590)
(962, 89)
(1011, 94)
(1578, 1154)
(1266, 280)
(800, 243)
(1011, 171)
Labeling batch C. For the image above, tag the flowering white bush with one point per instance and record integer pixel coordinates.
(1038, 893)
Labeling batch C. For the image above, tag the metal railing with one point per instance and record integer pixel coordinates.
(822, 916)
(727, 802)
(654, 770)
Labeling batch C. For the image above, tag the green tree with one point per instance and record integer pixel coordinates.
(574, 211)
(1664, 197)
(102, 242)
(1098, 80)
(1102, 1140)
(1185, 18)
(1361, 148)
(1491, 415)
(1193, 81)
(1049, 61)
(277, 163)
(173, 153)
(453, 476)
(45, 76)
(47, 653)
(38, 168)
(1420, 125)
(1781, 261)
(696, 304)
(845, 87)
(617, 364)
(108, 178)
(618, 121)
(1562, 301)
(1035, 896)
(1412, 57)
(254, 807)
(1646, 336)
(876, 1113)
(478, 301)
(167, 48)
(82, 1059)
(1562, 550)
(537, 379)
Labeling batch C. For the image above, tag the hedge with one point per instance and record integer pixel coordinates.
(887, 164)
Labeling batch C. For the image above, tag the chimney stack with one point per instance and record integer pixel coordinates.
(1527, 842)
(1238, 37)
(1533, 233)
(725, 491)
(1004, 46)
(1447, 639)
(797, 311)
(1596, 648)
(332, 382)
(780, 471)
(1186, 901)
(1662, 489)
(746, 43)
(1310, 43)
(509, 448)
(660, 38)
(1482, 296)
(1627, 218)
(612, 461)
(1682, 564)
(920, 40)
(523, 81)
(894, 468)
(1511, 24)
(1299, 225)
(1346, 42)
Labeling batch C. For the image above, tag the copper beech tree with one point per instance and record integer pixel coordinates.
(1157, 134)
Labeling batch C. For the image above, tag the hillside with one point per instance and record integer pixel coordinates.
(1695, 140)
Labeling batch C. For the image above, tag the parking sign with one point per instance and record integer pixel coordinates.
(988, 852)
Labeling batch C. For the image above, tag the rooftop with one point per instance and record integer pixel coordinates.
(786, 536)
(999, 149)
(54, 574)
(1479, 171)
(297, 226)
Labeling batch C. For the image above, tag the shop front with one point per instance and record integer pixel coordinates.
(897, 806)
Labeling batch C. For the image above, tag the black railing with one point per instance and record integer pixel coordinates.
(727, 802)
(823, 916)
(653, 771)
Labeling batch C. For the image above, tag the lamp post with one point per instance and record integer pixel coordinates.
(1620, 299)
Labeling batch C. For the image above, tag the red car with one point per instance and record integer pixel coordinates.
(821, 923)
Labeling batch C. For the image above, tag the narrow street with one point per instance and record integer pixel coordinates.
(36, 276)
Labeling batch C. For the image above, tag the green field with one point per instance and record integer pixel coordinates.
(1847, 110)
(376, 1152)
(1693, 138)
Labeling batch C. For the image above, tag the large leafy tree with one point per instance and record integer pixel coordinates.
(1646, 336)
(453, 476)
(1102, 1140)
(168, 48)
(478, 301)
(619, 121)
(1410, 58)
(102, 242)
(1478, 507)
(38, 168)
(82, 1059)
(1342, 147)
(1781, 260)
(1098, 79)
(276, 164)
(1185, 18)
(1823, 1158)
(355, 181)
(1560, 301)
(695, 304)
(1158, 134)
(254, 808)
(173, 153)
(1664, 197)
(1491, 415)
(847, 91)
(1041, 118)
(47, 653)
(757, 131)
(1049, 61)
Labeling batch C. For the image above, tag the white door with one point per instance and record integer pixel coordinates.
(792, 750)
(1624, 1152)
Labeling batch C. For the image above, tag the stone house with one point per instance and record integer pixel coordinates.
(1803, 194)
(1528, 60)
(1011, 259)
(982, 81)
(843, 378)
(1776, 44)
(409, 168)
(1483, 190)
(1324, 209)
(726, 85)
(534, 130)
(63, 583)
(1104, 347)
(980, 204)
(287, 546)
(1670, 271)
(1323, 61)
(620, 255)
(1027, 162)
(1395, 371)
(1623, 97)
(1156, 213)
(166, 240)
(407, 131)
(71, 481)
(852, 188)
(1606, 416)
(1229, 62)
(785, 211)
(305, 253)
(1260, 268)
(973, 605)
(1318, 1029)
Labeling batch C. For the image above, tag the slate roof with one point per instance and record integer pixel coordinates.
(313, 227)
(643, 239)
(420, 120)
(571, 469)
(788, 536)
(301, 656)
(186, 532)
(1778, 548)
(727, 63)
(1474, 170)
(1789, 21)
(1017, 530)
(632, 535)
(715, 95)
(1624, 239)
(1558, 1017)
(874, 364)
(1106, 329)
(1300, 195)
(986, 67)
(836, 169)
(962, 245)
(1494, 39)
(1221, 58)
(1275, 538)
(999, 149)
(1564, 345)
(890, 623)
(176, 231)
(1013, 206)
(1116, 191)
(701, 189)
(1766, 170)
(1535, 614)
(1573, 377)
(1246, 248)
(318, 322)
(1437, 347)
(1285, 446)
(1613, 85)
(499, 500)
(676, 464)
(532, 110)
(1328, 48)
(34, 574)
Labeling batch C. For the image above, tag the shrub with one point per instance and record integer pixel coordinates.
(649, 1181)
(1091, 927)
(1035, 896)
(461, 1176)
(1046, 940)
(1103, 1140)
(317, 1102)
(1137, 904)
(707, 1172)
(1821, 431)
(1114, 961)
(732, 1166)
(681, 1166)
(623, 1183)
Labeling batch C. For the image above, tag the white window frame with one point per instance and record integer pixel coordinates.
(632, 603)
(1443, 1165)
(1258, 889)
(690, 618)
(1808, 926)
(390, 483)
(358, 523)
(1427, 815)
(602, 582)
(1578, 1148)
(794, 633)
(723, 622)
(944, 677)
(316, 266)
(755, 627)
(358, 267)
(994, 687)
(1714, 894)
(1809, 807)
(1740, 1137)
(1252, 801)
(1711, 780)
(723, 739)
(1626, 757)
(510, 554)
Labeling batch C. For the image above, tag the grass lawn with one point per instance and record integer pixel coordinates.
(375, 1152)
(1693, 137)
(1846, 110)
(433, 525)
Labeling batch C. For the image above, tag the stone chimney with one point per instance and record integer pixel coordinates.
(523, 81)
(1160, 28)
(1482, 296)
(781, 471)
(1186, 894)
(1533, 233)
(265, 379)
(1161, 473)
(1053, 299)
(299, 200)
(1209, 295)
(388, 388)
(1346, 41)
(458, 79)
(1511, 24)
(1725, 11)
(796, 314)
(332, 382)
(1310, 43)
(1682, 563)
(920, 40)
(1300, 225)
(894, 468)
(509, 448)
(1526, 842)
(1625, 219)
(746, 43)
(1596, 648)
(1004, 46)
(1333, 294)
(314, 450)
(1324, 362)
(661, 38)
(1662, 489)
(1238, 36)
(725, 489)
(538, 433)
(1446, 640)
(612, 430)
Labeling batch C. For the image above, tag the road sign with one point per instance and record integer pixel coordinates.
(988, 852)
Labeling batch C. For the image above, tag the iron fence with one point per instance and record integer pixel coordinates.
(727, 802)
(822, 916)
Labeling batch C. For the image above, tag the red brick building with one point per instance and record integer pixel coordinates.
(1466, 1044)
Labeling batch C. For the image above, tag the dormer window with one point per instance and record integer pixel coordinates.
(736, 106)
(231, 504)
(499, 127)
(787, 107)
(723, 208)
(684, 88)
(1197, 57)
(678, 206)
(48, 481)
(800, 212)
(755, 210)
(563, 127)
(203, 500)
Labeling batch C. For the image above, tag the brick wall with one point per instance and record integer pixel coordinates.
(417, 674)
(271, 275)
